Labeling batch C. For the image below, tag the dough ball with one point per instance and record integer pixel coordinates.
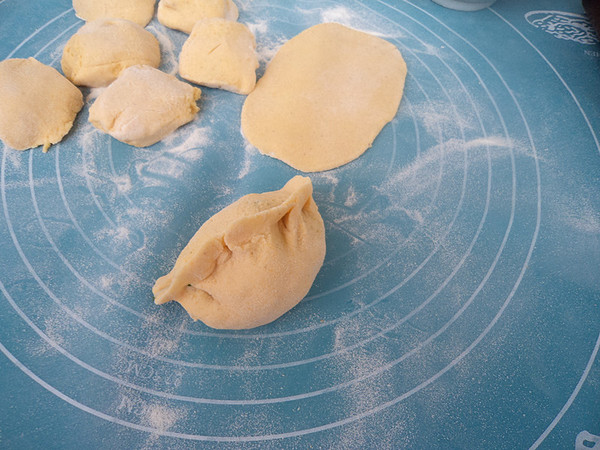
(252, 261)
(138, 11)
(220, 53)
(101, 49)
(324, 97)
(37, 104)
(183, 14)
(144, 105)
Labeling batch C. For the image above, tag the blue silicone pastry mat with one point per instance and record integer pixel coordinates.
(458, 306)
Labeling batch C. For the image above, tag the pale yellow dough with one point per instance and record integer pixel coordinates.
(144, 105)
(220, 53)
(37, 104)
(101, 49)
(183, 14)
(324, 97)
(138, 11)
(251, 262)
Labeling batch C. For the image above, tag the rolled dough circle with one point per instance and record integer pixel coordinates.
(324, 97)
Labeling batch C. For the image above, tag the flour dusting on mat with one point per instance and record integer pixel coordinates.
(188, 144)
(94, 93)
(168, 49)
(14, 158)
(361, 19)
(363, 395)
(259, 27)
(351, 199)
(249, 154)
(268, 47)
(443, 117)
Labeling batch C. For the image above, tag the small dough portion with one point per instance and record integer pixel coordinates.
(252, 261)
(324, 97)
(144, 105)
(138, 11)
(101, 49)
(37, 104)
(220, 53)
(183, 14)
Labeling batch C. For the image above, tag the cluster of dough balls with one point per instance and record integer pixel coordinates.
(323, 99)
(140, 105)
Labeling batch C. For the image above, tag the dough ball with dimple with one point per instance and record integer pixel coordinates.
(144, 105)
(324, 97)
(37, 104)
(101, 49)
(138, 11)
(183, 14)
(252, 261)
(220, 53)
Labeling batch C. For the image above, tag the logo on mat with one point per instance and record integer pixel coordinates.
(564, 25)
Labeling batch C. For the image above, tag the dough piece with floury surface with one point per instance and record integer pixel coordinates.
(183, 14)
(101, 49)
(221, 54)
(252, 261)
(144, 105)
(138, 11)
(37, 104)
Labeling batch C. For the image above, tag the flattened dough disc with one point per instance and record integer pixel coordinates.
(324, 97)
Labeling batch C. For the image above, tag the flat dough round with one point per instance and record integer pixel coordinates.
(220, 53)
(138, 11)
(101, 49)
(183, 14)
(252, 261)
(144, 105)
(324, 97)
(37, 104)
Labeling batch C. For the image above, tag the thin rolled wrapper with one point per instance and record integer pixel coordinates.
(251, 262)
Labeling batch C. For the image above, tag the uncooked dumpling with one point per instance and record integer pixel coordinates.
(324, 97)
(252, 261)
(37, 104)
(220, 53)
(144, 105)
(183, 14)
(138, 11)
(101, 49)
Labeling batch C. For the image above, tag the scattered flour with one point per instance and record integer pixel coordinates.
(168, 49)
(267, 48)
(93, 94)
(351, 199)
(258, 28)
(366, 394)
(13, 158)
(160, 416)
(249, 154)
(188, 144)
(134, 407)
(363, 20)
(327, 183)
(437, 118)
(581, 217)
